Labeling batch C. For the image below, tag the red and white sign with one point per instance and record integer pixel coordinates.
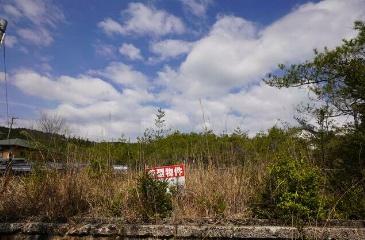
(174, 174)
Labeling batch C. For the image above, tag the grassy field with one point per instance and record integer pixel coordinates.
(209, 192)
(275, 175)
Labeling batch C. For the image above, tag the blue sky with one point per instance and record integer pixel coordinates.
(106, 66)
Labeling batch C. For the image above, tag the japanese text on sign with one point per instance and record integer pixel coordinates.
(175, 174)
(172, 171)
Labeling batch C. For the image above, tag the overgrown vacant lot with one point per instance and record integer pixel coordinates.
(315, 171)
(272, 175)
(209, 192)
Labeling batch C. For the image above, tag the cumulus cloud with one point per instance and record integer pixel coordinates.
(236, 52)
(171, 48)
(40, 18)
(143, 20)
(223, 69)
(64, 88)
(109, 26)
(218, 85)
(124, 75)
(127, 114)
(130, 51)
(197, 7)
(108, 119)
(92, 106)
(261, 106)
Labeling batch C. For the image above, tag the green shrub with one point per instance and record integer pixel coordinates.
(350, 204)
(154, 199)
(96, 168)
(291, 192)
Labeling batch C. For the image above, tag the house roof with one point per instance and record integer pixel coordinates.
(14, 142)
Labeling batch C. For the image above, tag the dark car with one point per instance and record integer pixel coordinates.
(18, 165)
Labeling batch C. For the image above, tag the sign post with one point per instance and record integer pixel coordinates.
(173, 174)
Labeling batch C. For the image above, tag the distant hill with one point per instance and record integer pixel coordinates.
(17, 132)
(23, 133)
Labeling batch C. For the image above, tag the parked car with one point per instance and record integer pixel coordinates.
(18, 165)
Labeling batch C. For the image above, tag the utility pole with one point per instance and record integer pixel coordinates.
(11, 125)
(3, 24)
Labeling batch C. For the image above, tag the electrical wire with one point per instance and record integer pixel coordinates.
(6, 83)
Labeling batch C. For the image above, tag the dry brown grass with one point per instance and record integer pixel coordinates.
(213, 192)
(44, 196)
(55, 196)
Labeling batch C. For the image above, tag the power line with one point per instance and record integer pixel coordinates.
(6, 83)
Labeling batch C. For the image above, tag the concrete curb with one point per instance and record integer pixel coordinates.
(169, 231)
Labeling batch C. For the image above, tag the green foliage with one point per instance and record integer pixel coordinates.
(159, 131)
(154, 199)
(160, 124)
(336, 79)
(96, 167)
(346, 181)
(292, 192)
(350, 205)
(197, 148)
(291, 189)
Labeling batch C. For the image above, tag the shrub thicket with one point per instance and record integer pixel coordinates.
(292, 192)
(155, 201)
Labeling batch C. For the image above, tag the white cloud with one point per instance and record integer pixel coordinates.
(109, 26)
(93, 107)
(12, 11)
(38, 11)
(40, 18)
(223, 68)
(107, 119)
(197, 7)
(177, 119)
(126, 114)
(10, 40)
(64, 88)
(39, 37)
(123, 74)
(143, 20)
(130, 51)
(171, 48)
(105, 50)
(219, 82)
(236, 52)
(262, 106)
